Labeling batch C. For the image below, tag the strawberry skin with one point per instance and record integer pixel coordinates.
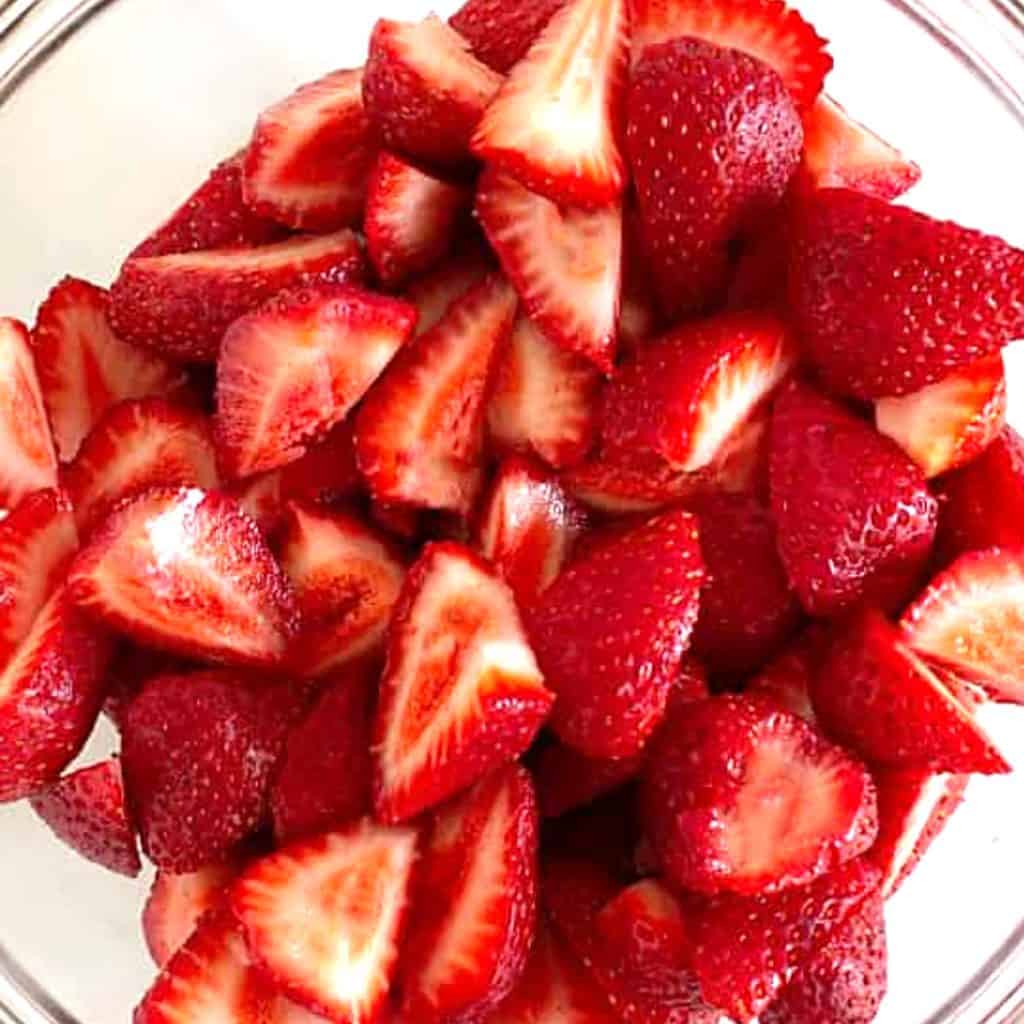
(499, 31)
(434, 293)
(566, 780)
(612, 629)
(854, 515)
(787, 679)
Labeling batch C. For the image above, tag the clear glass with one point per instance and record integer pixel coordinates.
(110, 111)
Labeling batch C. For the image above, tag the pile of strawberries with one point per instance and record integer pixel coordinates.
(542, 524)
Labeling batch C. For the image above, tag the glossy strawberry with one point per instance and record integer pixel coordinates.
(328, 470)
(566, 780)
(500, 32)
(433, 293)
(787, 679)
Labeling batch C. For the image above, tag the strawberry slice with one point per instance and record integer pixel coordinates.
(188, 572)
(50, 696)
(87, 811)
(565, 264)
(544, 400)
(181, 304)
(420, 431)
(839, 152)
(528, 527)
(787, 678)
(475, 902)
(947, 424)
(347, 578)
(84, 368)
(629, 602)
(310, 156)
(328, 471)
(424, 91)
(322, 917)
(501, 31)
(854, 515)
(461, 693)
(765, 29)
(554, 121)
(294, 369)
(566, 780)
(135, 446)
(434, 293)
(411, 219)
(29, 461)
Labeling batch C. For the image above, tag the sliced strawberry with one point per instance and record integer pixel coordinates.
(629, 603)
(50, 695)
(260, 498)
(310, 156)
(566, 780)
(499, 31)
(554, 122)
(403, 522)
(323, 917)
(424, 91)
(130, 668)
(411, 218)
(565, 264)
(854, 515)
(420, 430)
(137, 445)
(787, 679)
(328, 470)
(434, 293)
(188, 572)
(759, 279)
(461, 693)
(181, 304)
(475, 902)
(766, 29)
(294, 369)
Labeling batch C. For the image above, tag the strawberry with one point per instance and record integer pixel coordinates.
(29, 461)
(708, 167)
(567, 780)
(187, 572)
(554, 122)
(310, 156)
(565, 264)
(475, 903)
(328, 470)
(787, 678)
(324, 777)
(748, 948)
(435, 292)
(887, 300)
(215, 216)
(544, 400)
(875, 696)
(500, 32)
(741, 796)
(405, 523)
(424, 91)
(528, 527)
(129, 669)
(419, 434)
(411, 218)
(759, 278)
(765, 29)
(854, 515)
(199, 750)
(136, 445)
(290, 371)
(84, 368)
(181, 304)
(628, 603)
(50, 695)
(685, 395)
(461, 693)
(322, 917)
(839, 152)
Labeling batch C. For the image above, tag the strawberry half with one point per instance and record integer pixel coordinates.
(310, 156)
(328, 471)
(499, 31)
(181, 304)
(323, 917)
(566, 780)
(554, 121)
(294, 369)
(420, 431)
(188, 572)
(424, 91)
(475, 902)
(854, 515)
(435, 292)
(787, 679)
(565, 264)
(461, 693)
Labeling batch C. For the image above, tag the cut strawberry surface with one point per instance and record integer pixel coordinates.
(500, 32)
(328, 470)
(310, 156)
(554, 121)
(424, 91)
(461, 693)
(566, 780)
(565, 264)
(434, 293)
(420, 431)
(188, 572)
(293, 369)
(323, 917)
(181, 304)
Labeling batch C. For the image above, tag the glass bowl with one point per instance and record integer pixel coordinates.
(111, 111)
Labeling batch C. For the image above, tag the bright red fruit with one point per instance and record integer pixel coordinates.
(433, 293)
(501, 31)
(567, 780)
(787, 678)
(328, 471)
